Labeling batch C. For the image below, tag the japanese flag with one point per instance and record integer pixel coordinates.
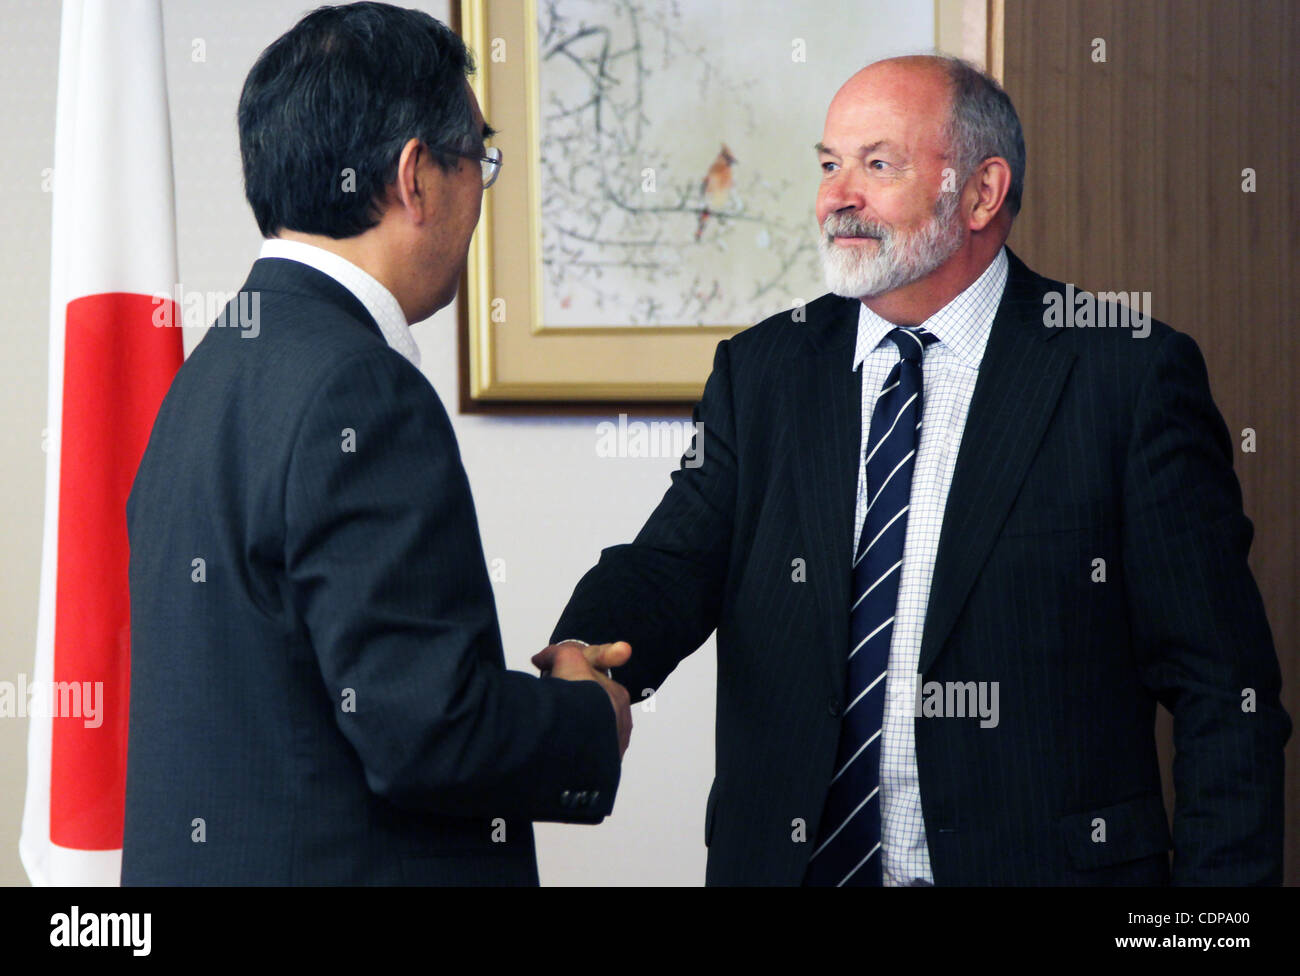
(114, 249)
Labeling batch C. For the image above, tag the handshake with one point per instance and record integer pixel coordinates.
(574, 661)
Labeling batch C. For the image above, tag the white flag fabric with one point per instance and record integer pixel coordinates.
(113, 251)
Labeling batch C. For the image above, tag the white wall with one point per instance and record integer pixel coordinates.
(29, 42)
(546, 503)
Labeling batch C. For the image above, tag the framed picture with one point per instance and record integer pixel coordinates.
(658, 180)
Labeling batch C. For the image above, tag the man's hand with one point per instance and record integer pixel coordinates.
(572, 661)
(599, 656)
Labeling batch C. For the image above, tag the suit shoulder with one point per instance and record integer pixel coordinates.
(788, 331)
(305, 352)
(1115, 326)
(299, 343)
(317, 332)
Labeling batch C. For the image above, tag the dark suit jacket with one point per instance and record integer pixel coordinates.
(330, 701)
(1080, 444)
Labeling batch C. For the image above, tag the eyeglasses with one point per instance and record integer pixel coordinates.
(491, 163)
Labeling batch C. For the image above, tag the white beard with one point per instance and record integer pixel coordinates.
(897, 259)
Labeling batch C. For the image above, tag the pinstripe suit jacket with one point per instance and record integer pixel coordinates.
(1080, 444)
(326, 691)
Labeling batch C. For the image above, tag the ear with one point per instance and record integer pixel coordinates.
(418, 186)
(987, 191)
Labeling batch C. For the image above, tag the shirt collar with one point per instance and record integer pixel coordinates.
(963, 325)
(377, 299)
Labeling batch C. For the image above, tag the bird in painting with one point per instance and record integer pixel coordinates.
(716, 186)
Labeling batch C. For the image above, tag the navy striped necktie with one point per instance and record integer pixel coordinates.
(847, 849)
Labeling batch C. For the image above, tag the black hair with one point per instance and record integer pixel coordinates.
(327, 108)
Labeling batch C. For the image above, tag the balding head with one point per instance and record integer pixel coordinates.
(953, 107)
(916, 85)
(904, 101)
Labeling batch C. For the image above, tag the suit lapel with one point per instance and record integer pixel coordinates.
(824, 396)
(1021, 377)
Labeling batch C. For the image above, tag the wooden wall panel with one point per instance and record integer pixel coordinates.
(1134, 183)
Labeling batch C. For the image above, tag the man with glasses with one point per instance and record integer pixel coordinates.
(318, 688)
(490, 159)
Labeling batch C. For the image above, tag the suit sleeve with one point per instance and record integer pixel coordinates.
(1203, 642)
(662, 593)
(385, 567)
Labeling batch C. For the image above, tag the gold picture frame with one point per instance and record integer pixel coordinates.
(510, 360)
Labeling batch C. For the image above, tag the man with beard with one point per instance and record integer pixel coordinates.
(954, 555)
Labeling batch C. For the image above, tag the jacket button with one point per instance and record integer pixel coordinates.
(566, 799)
(833, 706)
(591, 800)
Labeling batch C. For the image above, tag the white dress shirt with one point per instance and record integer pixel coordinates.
(377, 299)
(949, 370)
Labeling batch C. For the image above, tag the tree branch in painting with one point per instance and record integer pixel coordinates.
(640, 213)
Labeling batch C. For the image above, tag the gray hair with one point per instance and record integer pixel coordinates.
(983, 123)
